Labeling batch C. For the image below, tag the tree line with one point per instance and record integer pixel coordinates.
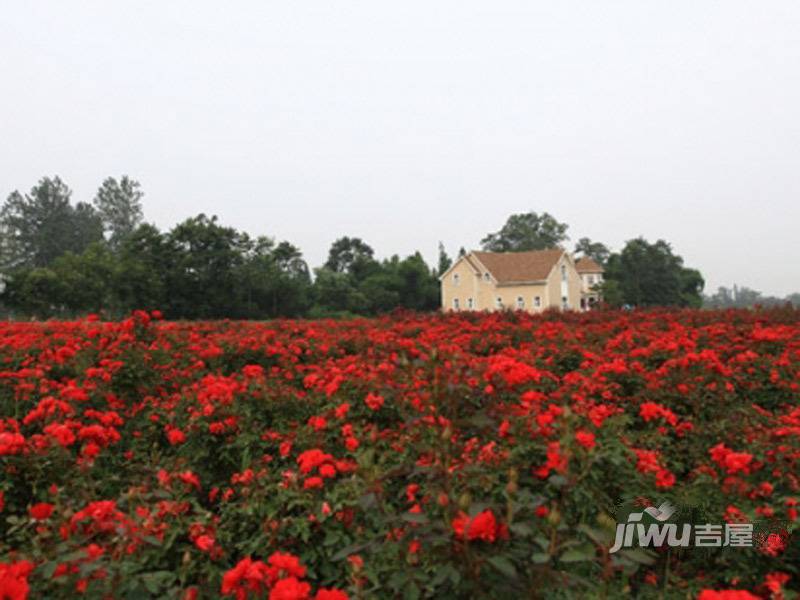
(59, 259)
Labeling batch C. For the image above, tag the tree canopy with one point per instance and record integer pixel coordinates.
(42, 225)
(526, 231)
(119, 206)
(598, 252)
(645, 274)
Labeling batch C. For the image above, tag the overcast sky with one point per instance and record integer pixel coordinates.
(406, 123)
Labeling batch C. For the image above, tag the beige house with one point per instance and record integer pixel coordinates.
(531, 281)
(591, 277)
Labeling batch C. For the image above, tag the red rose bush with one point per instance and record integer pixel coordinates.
(441, 456)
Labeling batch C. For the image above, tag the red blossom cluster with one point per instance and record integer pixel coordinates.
(456, 455)
(281, 577)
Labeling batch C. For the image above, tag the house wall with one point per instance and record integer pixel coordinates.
(573, 286)
(467, 286)
(586, 287)
(510, 293)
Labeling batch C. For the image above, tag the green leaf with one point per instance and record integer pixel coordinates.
(521, 529)
(157, 580)
(415, 518)
(348, 550)
(577, 555)
(504, 565)
(540, 558)
(639, 555)
(412, 592)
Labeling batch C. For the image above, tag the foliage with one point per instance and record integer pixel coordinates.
(42, 225)
(597, 251)
(119, 205)
(645, 274)
(526, 231)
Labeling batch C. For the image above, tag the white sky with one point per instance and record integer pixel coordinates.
(406, 123)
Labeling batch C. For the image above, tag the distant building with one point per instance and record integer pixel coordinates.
(591, 277)
(531, 281)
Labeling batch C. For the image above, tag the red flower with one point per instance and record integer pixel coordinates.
(247, 576)
(727, 595)
(313, 483)
(14, 580)
(732, 462)
(204, 542)
(585, 439)
(41, 511)
(482, 526)
(283, 565)
(664, 479)
(190, 479)
(175, 436)
(374, 401)
(323, 594)
(311, 459)
(11, 443)
(290, 589)
(253, 371)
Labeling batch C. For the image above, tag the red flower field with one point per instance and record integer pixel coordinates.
(448, 456)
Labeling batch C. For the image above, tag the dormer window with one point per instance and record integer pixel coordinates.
(487, 277)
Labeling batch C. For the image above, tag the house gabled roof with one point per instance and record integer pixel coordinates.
(519, 267)
(587, 265)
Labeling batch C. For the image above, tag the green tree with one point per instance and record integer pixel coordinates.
(598, 252)
(276, 280)
(334, 294)
(349, 255)
(203, 278)
(40, 226)
(73, 284)
(145, 259)
(119, 205)
(526, 231)
(645, 274)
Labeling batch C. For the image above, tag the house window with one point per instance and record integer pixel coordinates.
(537, 301)
(564, 302)
(456, 278)
(590, 279)
(487, 277)
(520, 302)
(499, 302)
(455, 304)
(563, 272)
(470, 304)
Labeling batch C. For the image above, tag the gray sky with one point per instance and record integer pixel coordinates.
(411, 122)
